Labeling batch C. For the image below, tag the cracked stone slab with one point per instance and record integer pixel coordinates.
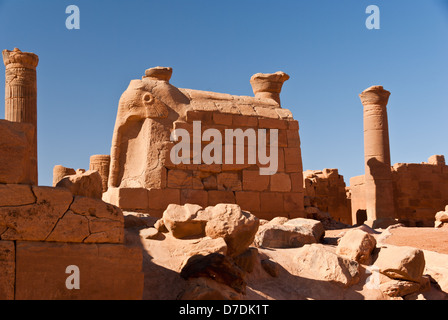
(54, 214)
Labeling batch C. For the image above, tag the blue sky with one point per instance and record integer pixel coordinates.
(217, 46)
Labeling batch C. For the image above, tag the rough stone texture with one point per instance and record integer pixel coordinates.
(16, 195)
(16, 149)
(60, 172)
(107, 271)
(87, 184)
(7, 270)
(141, 167)
(357, 245)
(236, 227)
(56, 215)
(283, 233)
(21, 98)
(217, 267)
(401, 263)
(326, 190)
(101, 163)
(184, 221)
(327, 265)
(399, 288)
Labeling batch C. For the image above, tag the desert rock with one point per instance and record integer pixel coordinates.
(327, 265)
(356, 245)
(401, 263)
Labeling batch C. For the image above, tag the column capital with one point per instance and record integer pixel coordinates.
(17, 58)
(375, 95)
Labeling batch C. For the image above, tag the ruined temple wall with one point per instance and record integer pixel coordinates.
(420, 191)
(144, 178)
(266, 196)
(326, 190)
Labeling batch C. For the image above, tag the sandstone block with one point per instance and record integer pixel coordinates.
(216, 196)
(199, 197)
(326, 265)
(106, 271)
(7, 270)
(272, 202)
(401, 263)
(280, 182)
(399, 288)
(16, 195)
(56, 216)
(35, 221)
(179, 179)
(253, 181)
(222, 118)
(284, 233)
(184, 221)
(229, 181)
(161, 198)
(293, 204)
(248, 201)
(356, 245)
(237, 227)
(87, 184)
(16, 150)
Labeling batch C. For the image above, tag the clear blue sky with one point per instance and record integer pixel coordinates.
(217, 45)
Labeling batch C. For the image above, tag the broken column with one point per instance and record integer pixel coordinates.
(101, 163)
(268, 85)
(21, 95)
(378, 176)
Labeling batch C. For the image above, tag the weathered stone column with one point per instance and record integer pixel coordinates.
(378, 175)
(60, 172)
(101, 163)
(21, 94)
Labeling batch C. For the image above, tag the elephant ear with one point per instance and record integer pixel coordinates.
(154, 107)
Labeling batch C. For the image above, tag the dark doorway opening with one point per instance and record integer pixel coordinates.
(361, 216)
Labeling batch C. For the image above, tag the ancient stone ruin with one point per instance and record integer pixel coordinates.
(144, 178)
(44, 230)
(204, 193)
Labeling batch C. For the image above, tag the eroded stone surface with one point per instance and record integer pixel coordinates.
(107, 271)
(7, 270)
(54, 214)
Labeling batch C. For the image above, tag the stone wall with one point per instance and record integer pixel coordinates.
(143, 176)
(44, 230)
(420, 191)
(326, 190)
